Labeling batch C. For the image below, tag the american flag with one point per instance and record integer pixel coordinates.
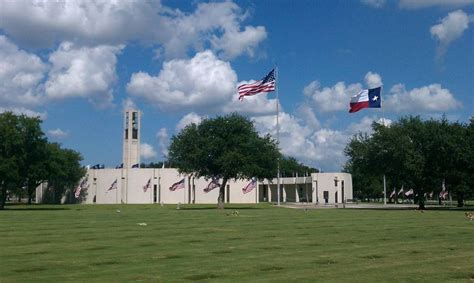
(250, 186)
(148, 184)
(212, 185)
(401, 191)
(82, 185)
(266, 84)
(177, 185)
(409, 192)
(393, 193)
(113, 186)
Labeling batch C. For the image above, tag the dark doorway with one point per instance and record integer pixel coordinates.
(326, 197)
(227, 194)
(154, 193)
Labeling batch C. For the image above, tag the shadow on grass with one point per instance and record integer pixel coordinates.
(468, 208)
(217, 209)
(33, 208)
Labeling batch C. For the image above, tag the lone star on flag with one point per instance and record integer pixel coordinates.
(375, 98)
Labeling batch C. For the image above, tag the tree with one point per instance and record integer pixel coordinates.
(416, 154)
(290, 166)
(227, 147)
(34, 158)
(64, 170)
(10, 152)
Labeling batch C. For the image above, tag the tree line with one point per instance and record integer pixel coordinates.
(28, 159)
(423, 155)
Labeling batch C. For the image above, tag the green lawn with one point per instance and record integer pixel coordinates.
(261, 243)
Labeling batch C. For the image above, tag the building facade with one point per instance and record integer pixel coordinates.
(130, 184)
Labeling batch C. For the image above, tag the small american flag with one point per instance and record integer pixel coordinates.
(409, 192)
(393, 193)
(266, 84)
(212, 185)
(113, 186)
(250, 186)
(147, 186)
(82, 185)
(177, 185)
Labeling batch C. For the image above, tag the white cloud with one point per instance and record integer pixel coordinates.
(333, 98)
(374, 3)
(203, 83)
(128, 103)
(163, 141)
(42, 23)
(23, 111)
(58, 133)
(432, 98)
(417, 4)
(147, 151)
(373, 80)
(188, 119)
(21, 74)
(322, 147)
(235, 42)
(87, 72)
(451, 28)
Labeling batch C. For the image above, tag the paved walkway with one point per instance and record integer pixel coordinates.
(348, 205)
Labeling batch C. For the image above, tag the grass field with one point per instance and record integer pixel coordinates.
(261, 243)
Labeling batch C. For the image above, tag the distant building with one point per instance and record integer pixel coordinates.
(133, 185)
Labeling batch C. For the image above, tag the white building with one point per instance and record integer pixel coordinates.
(130, 184)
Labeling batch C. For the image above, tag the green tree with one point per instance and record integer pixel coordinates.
(65, 172)
(11, 150)
(290, 166)
(227, 147)
(33, 168)
(416, 154)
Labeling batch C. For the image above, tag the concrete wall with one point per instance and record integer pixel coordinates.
(131, 183)
(327, 182)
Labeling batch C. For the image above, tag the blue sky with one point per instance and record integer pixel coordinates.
(77, 64)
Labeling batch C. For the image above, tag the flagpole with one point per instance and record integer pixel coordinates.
(384, 182)
(277, 82)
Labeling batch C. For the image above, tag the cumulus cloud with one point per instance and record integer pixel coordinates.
(189, 118)
(417, 4)
(128, 103)
(24, 111)
(42, 23)
(204, 83)
(449, 29)
(315, 147)
(374, 3)
(58, 133)
(21, 74)
(431, 98)
(87, 72)
(373, 80)
(333, 98)
(163, 141)
(147, 151)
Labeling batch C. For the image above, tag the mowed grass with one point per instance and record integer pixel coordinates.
(261, 243)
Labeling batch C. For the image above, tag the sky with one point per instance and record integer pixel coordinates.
(79, 64)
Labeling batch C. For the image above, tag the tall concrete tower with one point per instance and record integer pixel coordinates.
(131, 138)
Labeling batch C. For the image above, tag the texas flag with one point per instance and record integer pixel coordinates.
(366, 98)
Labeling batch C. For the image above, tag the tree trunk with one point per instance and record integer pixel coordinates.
(460, 200)
(220, 199)
(421, 203)
(3, 197)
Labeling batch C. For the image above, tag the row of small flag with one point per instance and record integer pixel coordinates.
(366, 98)
(102, 166)
(177, 186)
(442, 195)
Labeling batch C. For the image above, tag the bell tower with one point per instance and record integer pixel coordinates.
(131, 138)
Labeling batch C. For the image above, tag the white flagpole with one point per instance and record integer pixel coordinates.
(384, 182)
(278, 136)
